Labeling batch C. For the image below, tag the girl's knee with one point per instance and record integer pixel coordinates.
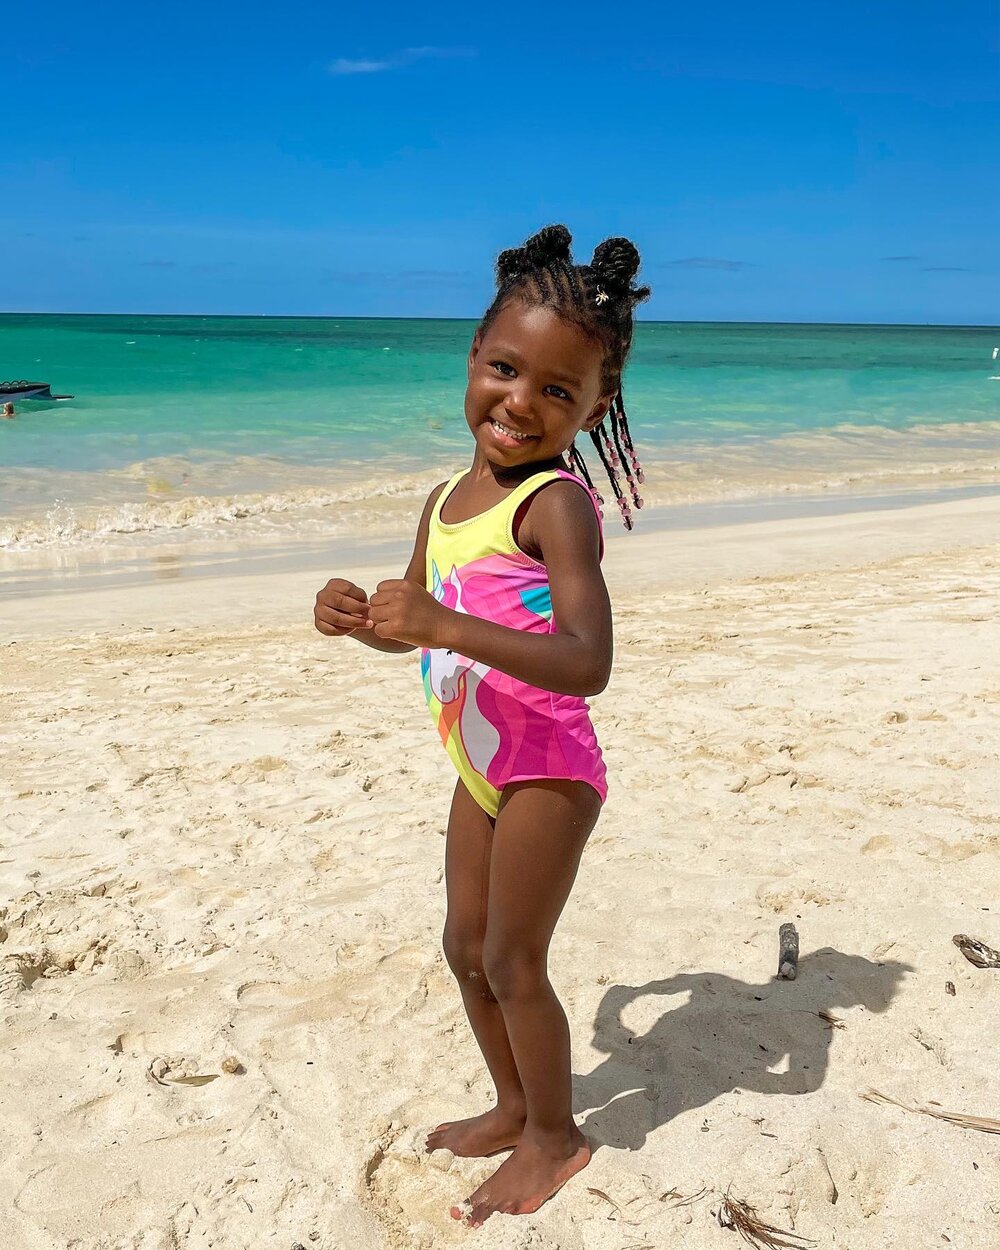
(464, 952)
(514, 971)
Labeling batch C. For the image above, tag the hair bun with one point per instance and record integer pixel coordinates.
(615, 263)
(510, 263)
(551, 243)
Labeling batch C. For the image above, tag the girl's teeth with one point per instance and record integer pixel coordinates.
(510, 433)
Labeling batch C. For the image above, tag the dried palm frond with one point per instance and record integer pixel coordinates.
(834, 1022)
(737, 1214)
(981, 1123)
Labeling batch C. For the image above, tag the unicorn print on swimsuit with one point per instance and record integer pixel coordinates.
(483, 714)
(453, 680)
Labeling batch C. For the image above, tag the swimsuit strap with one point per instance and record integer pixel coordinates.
(449, 486)
(498, 521)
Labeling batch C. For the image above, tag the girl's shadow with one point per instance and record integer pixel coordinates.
(725, 1034)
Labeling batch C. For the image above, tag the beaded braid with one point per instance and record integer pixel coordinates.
(618, 457)
(599, 298)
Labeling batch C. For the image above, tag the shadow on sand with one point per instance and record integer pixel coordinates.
(725, 1034)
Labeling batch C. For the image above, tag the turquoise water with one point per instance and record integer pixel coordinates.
(309, 390)
(175, 406)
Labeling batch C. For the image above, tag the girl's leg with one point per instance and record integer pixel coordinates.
(467, 871)
(541, 830)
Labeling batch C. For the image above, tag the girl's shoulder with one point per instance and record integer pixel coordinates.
(563, 511)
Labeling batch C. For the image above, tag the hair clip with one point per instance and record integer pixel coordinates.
(601, 297)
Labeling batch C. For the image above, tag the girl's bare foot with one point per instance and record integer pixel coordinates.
(536, 1170)
(482, 1135)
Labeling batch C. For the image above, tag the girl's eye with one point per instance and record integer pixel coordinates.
(501, 366)
(561, 394)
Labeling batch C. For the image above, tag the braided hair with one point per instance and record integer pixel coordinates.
(597, 298)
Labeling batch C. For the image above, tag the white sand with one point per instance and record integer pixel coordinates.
(222, 837)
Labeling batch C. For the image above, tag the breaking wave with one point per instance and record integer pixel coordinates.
(294, 500)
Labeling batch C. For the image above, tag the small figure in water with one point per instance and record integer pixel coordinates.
(8, 411)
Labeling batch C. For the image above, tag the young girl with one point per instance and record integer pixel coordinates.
(504, 596)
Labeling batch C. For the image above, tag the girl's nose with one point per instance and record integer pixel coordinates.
(518, 402)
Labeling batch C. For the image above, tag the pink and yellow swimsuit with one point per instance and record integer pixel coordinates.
(495, 728)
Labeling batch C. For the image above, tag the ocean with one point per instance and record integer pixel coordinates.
(222, 431)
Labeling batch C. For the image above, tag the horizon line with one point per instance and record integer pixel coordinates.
(916, 325)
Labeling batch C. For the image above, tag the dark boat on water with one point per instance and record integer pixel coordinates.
(10, 391)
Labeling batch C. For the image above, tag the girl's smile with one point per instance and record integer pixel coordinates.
(508, 437)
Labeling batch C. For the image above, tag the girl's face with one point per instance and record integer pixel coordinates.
(534, 384)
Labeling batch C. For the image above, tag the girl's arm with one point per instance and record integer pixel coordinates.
(335, 598)
(576, 660)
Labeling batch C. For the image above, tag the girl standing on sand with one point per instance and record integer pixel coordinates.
(504, 596)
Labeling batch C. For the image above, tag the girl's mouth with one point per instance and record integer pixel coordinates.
(507, 437)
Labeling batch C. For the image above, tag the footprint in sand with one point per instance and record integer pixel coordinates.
(262, 994)
(410, 1192)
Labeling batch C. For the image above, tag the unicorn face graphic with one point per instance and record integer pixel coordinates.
(448, 667)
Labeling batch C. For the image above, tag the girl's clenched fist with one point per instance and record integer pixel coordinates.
(407, 612)
(341, 608)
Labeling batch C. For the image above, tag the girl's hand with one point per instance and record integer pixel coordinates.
(407, 612)
(341, 608)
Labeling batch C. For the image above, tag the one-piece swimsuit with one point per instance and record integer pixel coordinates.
(496, 728)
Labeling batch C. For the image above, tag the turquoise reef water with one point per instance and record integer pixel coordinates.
(200, 421)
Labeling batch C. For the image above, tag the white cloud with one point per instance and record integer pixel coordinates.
(344, 65)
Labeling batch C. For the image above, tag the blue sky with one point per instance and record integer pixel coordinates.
(773, 161)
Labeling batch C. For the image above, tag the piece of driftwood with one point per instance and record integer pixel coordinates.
(977, 952)
(981, 1123)
(788, 952)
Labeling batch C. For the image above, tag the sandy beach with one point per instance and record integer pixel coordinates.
(227, 1018)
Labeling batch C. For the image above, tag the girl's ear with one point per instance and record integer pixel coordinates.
(598, 413)
(477, 342)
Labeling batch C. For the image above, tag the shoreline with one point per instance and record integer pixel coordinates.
(665, 555)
